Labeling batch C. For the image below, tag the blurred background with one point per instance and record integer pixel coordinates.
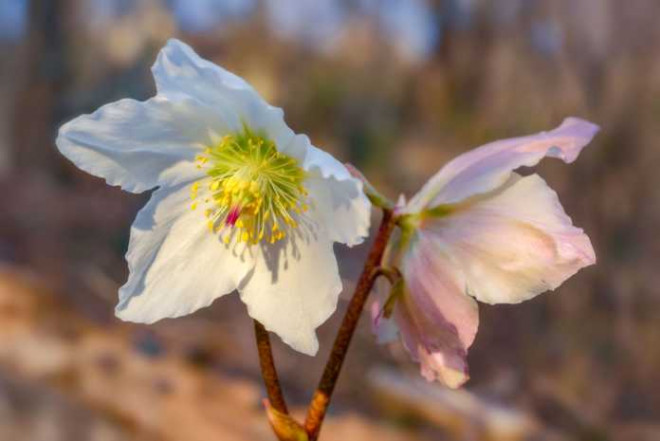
(397, 87)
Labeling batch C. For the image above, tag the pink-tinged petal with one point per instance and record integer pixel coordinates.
(487, 167)
(384, 328)
(513, 243)
(434, 345)
(436, 319)
(436, 285)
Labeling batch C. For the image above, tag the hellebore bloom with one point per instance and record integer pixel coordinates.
(478, 230)
(241, 202)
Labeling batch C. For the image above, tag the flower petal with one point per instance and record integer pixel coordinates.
(181, 73)
(384, 328)
(338, 198)
(486, 168)
(514, 243)
(295, 285)
(436, 319)
(436, 284)
(176, 265)
(436, 348)
(138, 145)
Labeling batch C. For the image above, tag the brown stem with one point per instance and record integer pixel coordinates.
(268, 371)
(321, 399)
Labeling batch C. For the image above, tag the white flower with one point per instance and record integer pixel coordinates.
(242, 202)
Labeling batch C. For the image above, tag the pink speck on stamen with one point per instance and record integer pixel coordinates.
(233, 215)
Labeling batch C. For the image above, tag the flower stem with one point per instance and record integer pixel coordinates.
(321, 399)
(268, 371)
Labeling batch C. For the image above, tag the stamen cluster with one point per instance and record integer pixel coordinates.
(254, 192)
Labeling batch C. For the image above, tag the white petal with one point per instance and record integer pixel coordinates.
(514, 243)
(176, 265)
(338, 198)
(139, 145)
(294, 286)
(487, 167)
(325, 165)
(181, 73)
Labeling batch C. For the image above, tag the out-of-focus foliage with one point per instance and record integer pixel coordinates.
(397, 87)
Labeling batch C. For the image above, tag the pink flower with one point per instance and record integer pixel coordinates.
(478, 230)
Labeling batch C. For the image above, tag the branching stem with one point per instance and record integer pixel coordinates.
(372, 268)
(321, 399)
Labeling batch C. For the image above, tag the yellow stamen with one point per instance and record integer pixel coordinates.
(250, 187)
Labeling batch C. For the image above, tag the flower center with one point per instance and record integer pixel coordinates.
(254, 191)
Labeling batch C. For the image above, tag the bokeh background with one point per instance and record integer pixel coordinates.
(397, 87)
